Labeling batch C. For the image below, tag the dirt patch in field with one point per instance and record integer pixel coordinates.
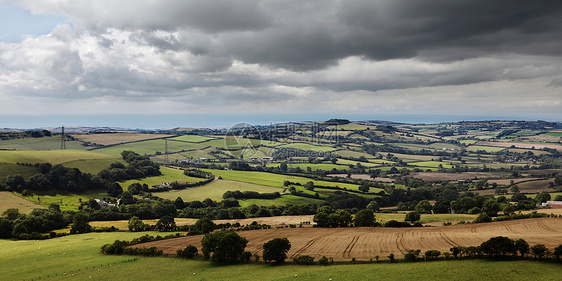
(367, 242)
(8, 200)
(116, 138)
(361, 177)
(518, 145)
(431, 176)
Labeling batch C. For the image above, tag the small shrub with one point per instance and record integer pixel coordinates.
(189, 252)
(246, 257)
(391, 257)
(323, 260)
(304, 260)
(482, 218)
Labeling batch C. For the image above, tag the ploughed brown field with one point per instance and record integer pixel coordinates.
(364, 243)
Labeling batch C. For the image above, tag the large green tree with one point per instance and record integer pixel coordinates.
(364, 217)
(539, 250)
(135, 224)
(166, 223)
(423, 207)
(80, 223)
(498, 246)
(522, 247)
(223, 246)
(412, 216)
(204, 225)
(276, 249)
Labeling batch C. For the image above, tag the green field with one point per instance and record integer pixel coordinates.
(53, 156)
(66, 201)
(485, 148)
(273, 180)
(77, 256)
(353, 154)
(168, 175)
(468, 142)
(556, 134)
(432, 164)
(7, 169)
(44, 143)
(215, 190)
(192, 138)
(92, 166)
(314, 167)
(284, 200)
(152, 147)
(306, 146)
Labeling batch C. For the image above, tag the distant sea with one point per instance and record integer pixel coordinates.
(168, 121)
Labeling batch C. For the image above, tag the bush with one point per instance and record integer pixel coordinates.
(393, 223)
(246, 256)
(412, 216)
(304, 260)
(431, 254)
(225, 246)
(189, 252)
(412, 255)
(482, 218)
(391, 257)
(276, 249)
(323, 260)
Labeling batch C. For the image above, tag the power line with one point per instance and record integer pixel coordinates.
(62, 140)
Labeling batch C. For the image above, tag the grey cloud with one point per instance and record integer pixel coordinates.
(190, 50)
(306, 35)
(163, 43)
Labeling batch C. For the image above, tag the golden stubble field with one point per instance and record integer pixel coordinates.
(367, 242)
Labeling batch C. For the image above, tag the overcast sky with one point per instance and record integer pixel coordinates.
(463, 57)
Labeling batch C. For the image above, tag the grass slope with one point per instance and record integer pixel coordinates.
(92, 166)
(7, 169)
(168, 175)
(53, 156)
(44, 143)
(66, 201)
(274, 180)
(215, 190)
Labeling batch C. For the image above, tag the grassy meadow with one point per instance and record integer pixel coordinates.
(52, 156)
(44, 143)
(7, 169)
(274, 180)
(66, 201)
(168, 175)
(215, 190)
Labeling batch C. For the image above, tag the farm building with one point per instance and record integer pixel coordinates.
(104, 204)
(267, 159)
(554, 204)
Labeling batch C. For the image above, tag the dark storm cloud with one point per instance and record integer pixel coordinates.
(309, 38)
